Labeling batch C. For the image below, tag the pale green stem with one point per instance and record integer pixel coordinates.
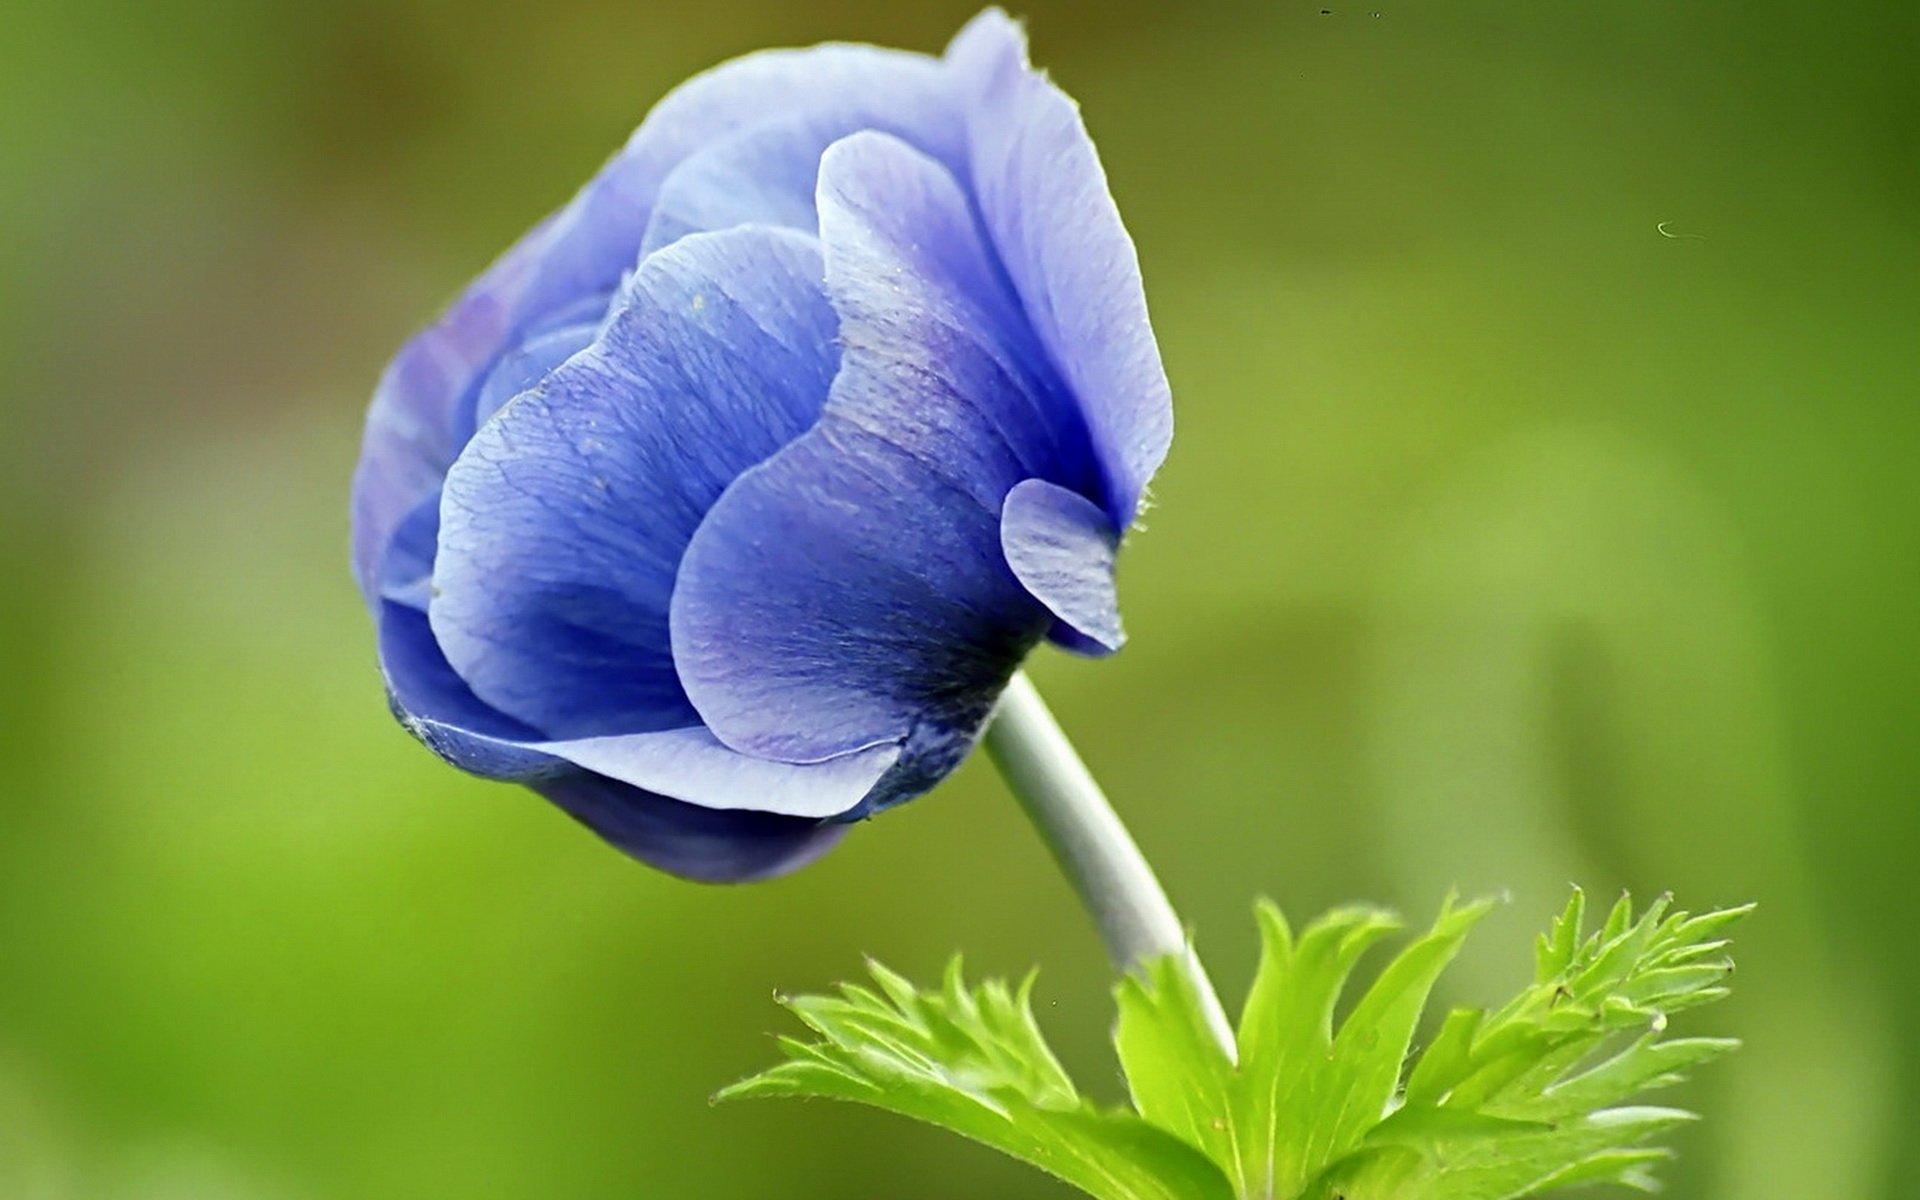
(1092, 847)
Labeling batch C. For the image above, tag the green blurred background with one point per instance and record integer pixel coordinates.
(1506, 542)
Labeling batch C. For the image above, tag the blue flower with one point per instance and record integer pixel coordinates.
(722, 507)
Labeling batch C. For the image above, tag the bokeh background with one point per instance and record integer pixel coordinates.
(1507, 542)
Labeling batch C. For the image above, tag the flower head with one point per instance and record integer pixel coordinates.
(721, 508)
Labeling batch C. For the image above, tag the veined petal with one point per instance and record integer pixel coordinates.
(564, 520)
(851, 591)
(839, 596)
(406, 569)
(766, 172)
(761, 175)
(919, 295)
(422, 413)
(710, 814)
(532, 361)
(405, 572)
(437, 706)
(693, 765)
(706, 845)
(1044, 198)
(1061, 547)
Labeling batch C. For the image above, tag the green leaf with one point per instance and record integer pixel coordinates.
(1598, 1147)
(1531, 1090)
(1286, 1036)
(1372, 1044)
(1644, 1065)
(972, 1060)
(1179, 1076)
(1532, 1097)
(1307, 1095)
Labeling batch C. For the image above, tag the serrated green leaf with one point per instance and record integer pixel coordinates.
(1544, 1059)
(1447, 1060)
(1430, 1128)
(1371, 1047)
(1619, 917)
(1643, 1066)
(1497, 1168)
(1531, 1098)
(1286, 1044)
(1665, 985)
(1625, 1168)
(1179, 1077)
(1708, 925)
(1563, 940)
(972, 1060)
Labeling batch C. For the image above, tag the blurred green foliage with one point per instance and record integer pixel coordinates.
(1506, 542)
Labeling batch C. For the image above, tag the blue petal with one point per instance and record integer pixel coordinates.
(765, 174)
(718, 842)
(693, 765)
(564, 520)
(1061, 548)
(918, 294)
(532, 361)
(437, 706)
(840, 596)
(702, 844)
(685, 764)
(422, 411)
(406, 570)
(1044, 198)
(414, 424)
(851, 591)
(405, 574)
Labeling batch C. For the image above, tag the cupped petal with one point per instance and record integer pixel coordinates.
(765, 173)
(759, 176)
(851, 591)
(1061, 547)
(436, 706)
(760, 819)
(406, 569)
(414, 423)
(834, 77)
(1044, 199)
(405, 572)
(693, 765)
(564, 520)
(533, 360)
(919, 295)
(422, 409)
(841, 596)
(705, 845)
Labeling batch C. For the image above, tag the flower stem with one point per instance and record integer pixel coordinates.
(1093, 848)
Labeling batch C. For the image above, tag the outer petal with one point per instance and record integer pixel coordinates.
(437, 706)
(698, 841)
(839, 597)
(421, 411)
(1044, 198)
(919, 293)
(761, 175)
(765, 173)
(405, 574)
(564, 520)
(1061, 548)
(532, 361)
(851, 591)
(406, 569)
(693, 765)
